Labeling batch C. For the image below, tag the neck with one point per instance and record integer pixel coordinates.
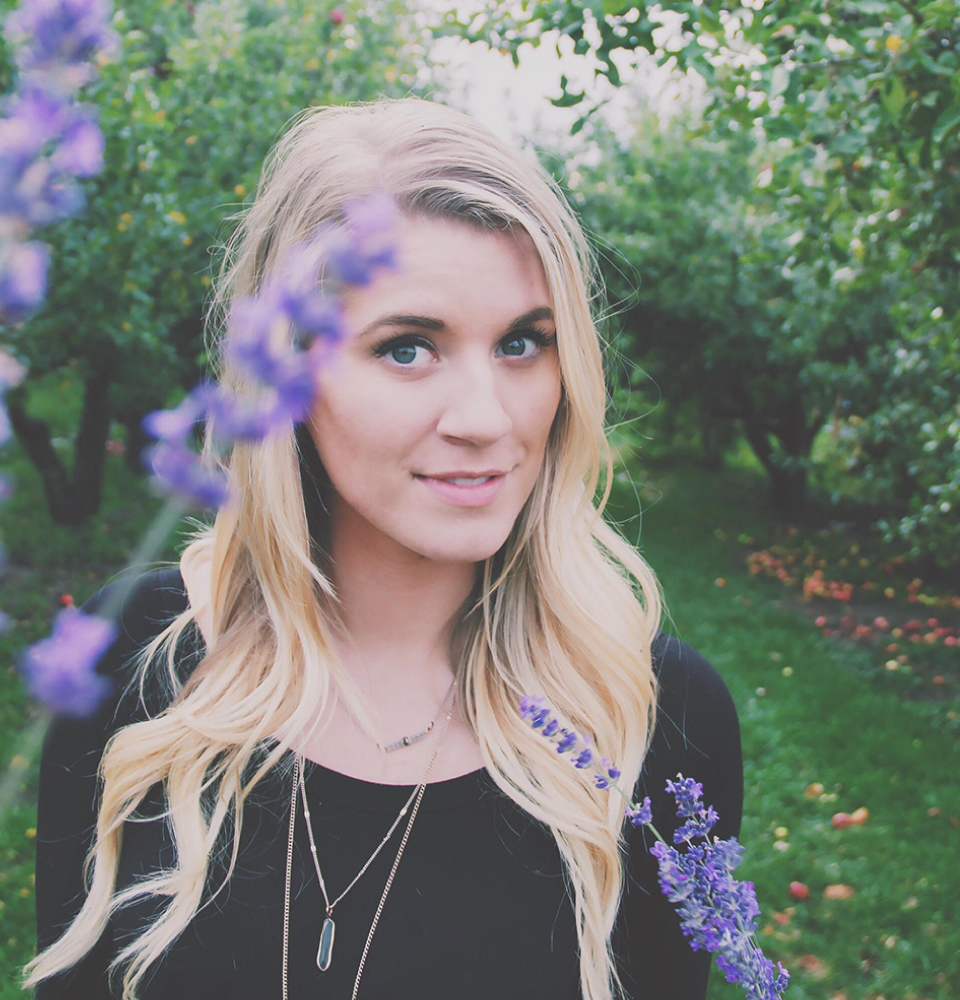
(398, 615)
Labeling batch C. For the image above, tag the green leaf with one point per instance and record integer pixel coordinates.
(850, 142)
(709, 21)
(566, 100)
(611, 72)
(780, 126)
(893, 95)
(947, 121)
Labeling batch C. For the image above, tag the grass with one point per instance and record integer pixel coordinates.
(898, 935)
(831, 721)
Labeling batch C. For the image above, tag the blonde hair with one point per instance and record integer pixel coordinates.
(566, 608)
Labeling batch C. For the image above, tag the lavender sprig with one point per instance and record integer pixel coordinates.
(288, 374)
(717, 912)
(60, 669)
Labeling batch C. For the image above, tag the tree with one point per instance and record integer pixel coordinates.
(858, 104)
(189, 109)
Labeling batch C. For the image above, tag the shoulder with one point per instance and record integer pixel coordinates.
(694, 699)
(73, 746)
(151, 603)
(697, 732)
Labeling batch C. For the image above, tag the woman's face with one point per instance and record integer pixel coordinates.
(441, 371)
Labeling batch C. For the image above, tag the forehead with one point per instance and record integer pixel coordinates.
(456, 269)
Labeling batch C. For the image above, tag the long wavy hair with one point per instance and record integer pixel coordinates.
(566, 607)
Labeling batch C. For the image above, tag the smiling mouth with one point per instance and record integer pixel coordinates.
(461, 480)
(465, 495)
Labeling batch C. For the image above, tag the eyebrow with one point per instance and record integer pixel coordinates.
(431, 323)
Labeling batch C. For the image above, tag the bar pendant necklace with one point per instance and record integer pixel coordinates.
(325, 950)
(325, 944)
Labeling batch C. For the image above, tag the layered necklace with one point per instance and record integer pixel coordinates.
(325, 944)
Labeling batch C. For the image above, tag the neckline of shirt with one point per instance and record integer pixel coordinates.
(372, 796)
(355, 793)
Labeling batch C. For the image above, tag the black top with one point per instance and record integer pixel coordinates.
(477, 907)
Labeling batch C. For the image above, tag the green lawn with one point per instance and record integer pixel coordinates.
(827, 721)
(898, 936)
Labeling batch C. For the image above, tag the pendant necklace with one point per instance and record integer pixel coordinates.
(325, 945)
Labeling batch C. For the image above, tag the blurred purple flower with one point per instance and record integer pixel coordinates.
(51, 40)
(34, 189)
(55, 35)
(287, 373)
(352, 265)
(354, 256)
(80, 152)
(177, 469)
(174, 425)
(298, 296)
(372, 216)
(60, 670)
(32, 118)
(23, 278)
(717, 913)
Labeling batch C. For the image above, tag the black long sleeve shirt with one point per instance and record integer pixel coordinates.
(477, 908)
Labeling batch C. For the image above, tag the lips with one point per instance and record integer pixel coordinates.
(464, 496)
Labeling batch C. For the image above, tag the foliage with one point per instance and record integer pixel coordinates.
(854, 110)
(189, 108)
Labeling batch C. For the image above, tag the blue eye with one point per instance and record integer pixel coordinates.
(410, 341)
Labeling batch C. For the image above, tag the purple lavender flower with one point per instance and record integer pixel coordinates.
(23, 278)
(51, 42)
(53, 36)
(178, 470)
(288, 374)
(372, 216)
(354, 256)
(60, 668)
(717, 913)
(81, 148)
(640, 815)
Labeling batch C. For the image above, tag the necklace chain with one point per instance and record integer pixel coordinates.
(327, 933)
(406, 741)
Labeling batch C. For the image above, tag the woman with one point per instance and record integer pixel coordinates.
(329, 778)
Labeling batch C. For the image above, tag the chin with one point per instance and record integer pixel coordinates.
(457, 551)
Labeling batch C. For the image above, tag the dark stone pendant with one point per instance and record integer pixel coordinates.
(325, 950)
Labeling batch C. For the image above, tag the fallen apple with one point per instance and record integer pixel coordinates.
(837, 891)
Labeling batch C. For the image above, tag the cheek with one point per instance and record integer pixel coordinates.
(537, 407)
(360, 433)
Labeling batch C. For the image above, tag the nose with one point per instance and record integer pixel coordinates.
(474, 409)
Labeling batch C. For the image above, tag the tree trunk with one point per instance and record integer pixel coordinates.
(34, 438)
(788, 491)
(712, 442)
(135, 440)
(71, 499)
(788, 483)
(90, 454)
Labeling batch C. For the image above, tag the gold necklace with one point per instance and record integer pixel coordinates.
(325, 946)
